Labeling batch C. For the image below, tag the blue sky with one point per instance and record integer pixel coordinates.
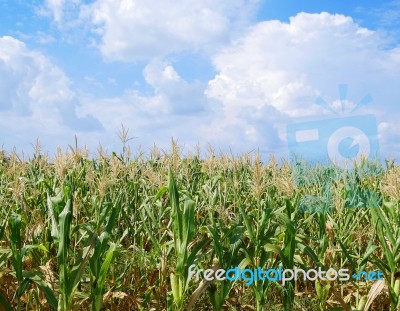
(235, 74)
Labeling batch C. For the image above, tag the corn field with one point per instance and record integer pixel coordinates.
(120, 231)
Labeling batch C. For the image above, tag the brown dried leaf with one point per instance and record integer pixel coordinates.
(374, 292)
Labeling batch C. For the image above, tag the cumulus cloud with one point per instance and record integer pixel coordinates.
(65, 15)
(278, 69)
(55, 8)
(177, 95)
(148, 126)
(267, 77)
(287, 65)
(174, 108)
(35, 94)
(29, 80)
(144, 29)
(39, 97)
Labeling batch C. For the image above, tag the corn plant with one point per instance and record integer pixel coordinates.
(119, 232)
(16, 250)
(183, 231)
(387, 220)
(103, 254)
(69, 276)
(4, 255)
(261, 230)
(18, 253)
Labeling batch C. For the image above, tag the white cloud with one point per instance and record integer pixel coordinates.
(56, 9)
(35, 95)
(281, 65)
(177, 95)
(266, 78)
(37, 101)
(29, 79)
(134, 30)
(175, 108)
(277, 70)
(64, 13)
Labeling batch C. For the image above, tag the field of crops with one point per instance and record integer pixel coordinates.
(120, 231)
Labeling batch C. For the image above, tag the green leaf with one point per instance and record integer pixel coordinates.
(4, 303)
(160, 193)
(46, 290)
(371, 248)
(273, 248)
(348, 256)
(3, 227)
(98, 291)
(23, 287)
(311, 254)
(15, 241)
(249, 227)
(53, 220)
